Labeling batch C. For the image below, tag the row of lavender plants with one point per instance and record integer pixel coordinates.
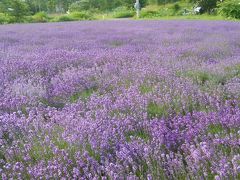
(120, 100)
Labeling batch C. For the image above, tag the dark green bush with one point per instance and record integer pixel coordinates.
(175, 10)
(75, 16)
(158, 13)
(123, 12)
(81, 16)
(149, 14)
(40, 17)
(176, 7)
(207, 5)
(19, 10)
(230, 8)
(79, 6)
(126, 14)
(64, 18)
(154, 14)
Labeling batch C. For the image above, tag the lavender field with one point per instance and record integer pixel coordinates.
(120, 100)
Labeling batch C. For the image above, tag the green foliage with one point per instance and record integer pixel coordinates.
(221, 130)
(225, 149)
(142, 134)
(233, 70)
(144, 89)
(176, 7)
(203, 77)
(155, 110)
(175, 107)
(20, 11)
(2, 156)
(75, 16)
(142, 170)
(215, 128)
(40, 152)
(80, 6)
(92, 153)
(81, 15)
(83, 5)
(199, 77)
(64, 18)
(168, 10)
(40, 17)
(150, 14)
(207, 5)
(230, 8)
(82, 95)
(123, 12)
(52, 103)
(17, 9)
(4, 18)
(143, 2)
(159, 2)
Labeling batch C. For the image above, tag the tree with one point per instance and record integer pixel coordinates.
(130, 3)
(20, 9)
(80, 5)
(3, 6)
(15, 8)
(207, 5)
(230, 8)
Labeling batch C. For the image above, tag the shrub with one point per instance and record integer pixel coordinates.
(81, 16)
(40, 17)
(149, 14)
(176, 7)
(4, 19)
(79, 6)
(75, 16)
(230, 8)
(158, 13)
(20, 10)
(207, 5)
(123, 12)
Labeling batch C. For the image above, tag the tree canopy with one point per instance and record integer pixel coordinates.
(18, 8)
(56, 6)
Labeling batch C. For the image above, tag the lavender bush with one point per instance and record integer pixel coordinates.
(120, 100)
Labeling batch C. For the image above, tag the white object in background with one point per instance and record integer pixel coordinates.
(10, 9)
(197, 9)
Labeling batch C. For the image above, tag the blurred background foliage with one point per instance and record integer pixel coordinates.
(12, 11)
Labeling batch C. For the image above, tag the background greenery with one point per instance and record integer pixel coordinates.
(12, 11)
